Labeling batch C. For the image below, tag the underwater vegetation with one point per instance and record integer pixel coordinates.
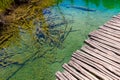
(23, 16)
(28, 32)
(20, 17)
(55, 36)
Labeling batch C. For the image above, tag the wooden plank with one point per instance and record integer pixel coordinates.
(100, 57)
(90, 57)
(109, 66)
(111, 26)
(83, 71)
(117, 44)
(104, 52)
(60, 76)
(114, 24)
(90, 69)
(68, 75)
(74, 72)
(115, 21)
(105, 39)
(117, 40)
(109, 33)
(116, 51)
(110, 30)
(95, 65)
(112, 58)
(105, 42)
(114, 69)
(116, 17)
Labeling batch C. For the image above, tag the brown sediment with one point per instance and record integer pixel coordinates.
(20, 14)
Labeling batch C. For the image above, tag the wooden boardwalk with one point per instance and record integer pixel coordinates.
(99, 59)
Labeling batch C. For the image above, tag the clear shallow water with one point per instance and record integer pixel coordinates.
(81, 21)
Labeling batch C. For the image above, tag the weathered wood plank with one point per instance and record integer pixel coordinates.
(116, 51)
(109, 33)
(74, 72)
(105, 36)
(83, 71)
(105, 42)
(115, 21)
(90, 69)
(60, 76)
(114, 24)
(69, 76)
(102, 58)
(112, 58)
(111, 26)
(107, 64)
(117, 44)
(104, 52)
(110, 30)
(116, 17)
(95, 65)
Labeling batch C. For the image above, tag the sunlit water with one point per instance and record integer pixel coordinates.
(81, 21)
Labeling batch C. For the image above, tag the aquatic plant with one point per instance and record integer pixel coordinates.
(18, 40)
(31, 11)
(17, 25)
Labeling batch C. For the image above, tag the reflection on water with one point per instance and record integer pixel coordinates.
(57, 34)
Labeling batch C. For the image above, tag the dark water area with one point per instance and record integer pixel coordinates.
(42, 52)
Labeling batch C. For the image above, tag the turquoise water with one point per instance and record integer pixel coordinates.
(71, 14)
